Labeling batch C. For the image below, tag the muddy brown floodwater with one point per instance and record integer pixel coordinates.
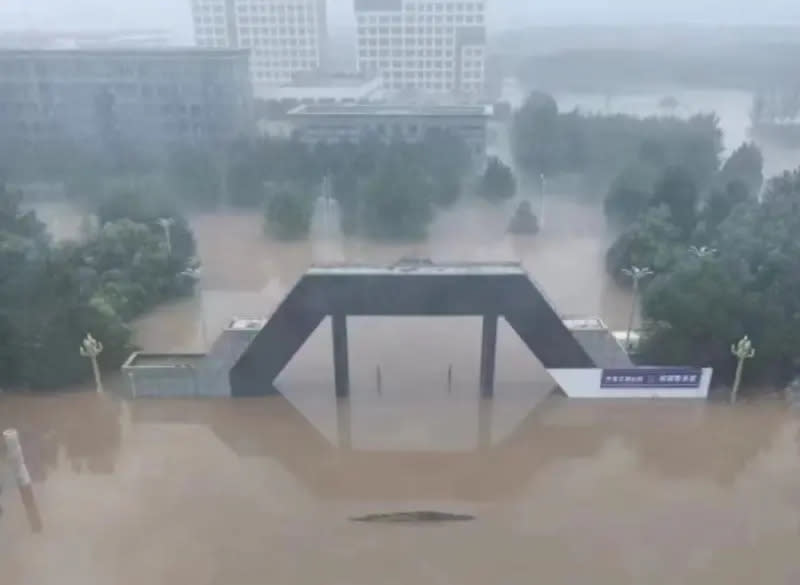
(262, 491)
(223, 492)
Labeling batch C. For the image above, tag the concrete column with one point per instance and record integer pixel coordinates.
(341, 366)
(488, 352)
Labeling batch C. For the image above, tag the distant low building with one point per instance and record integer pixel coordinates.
(146, 99)
(327, 88)
(49, 40)
(352, 123)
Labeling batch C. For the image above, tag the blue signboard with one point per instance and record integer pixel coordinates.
(652, 378)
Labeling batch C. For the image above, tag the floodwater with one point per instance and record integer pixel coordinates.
(262, 491)
(224, 492)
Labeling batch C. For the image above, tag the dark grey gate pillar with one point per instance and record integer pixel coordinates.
(488, 353)
(341, 366)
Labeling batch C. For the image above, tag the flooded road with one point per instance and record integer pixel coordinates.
(262, 491)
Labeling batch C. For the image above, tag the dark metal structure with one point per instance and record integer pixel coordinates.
(407, 289)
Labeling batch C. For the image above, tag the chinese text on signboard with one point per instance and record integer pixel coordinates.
(652, 378)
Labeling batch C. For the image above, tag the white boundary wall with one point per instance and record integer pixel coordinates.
(586, 383)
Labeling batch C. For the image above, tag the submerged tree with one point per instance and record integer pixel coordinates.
(498, 182)
(288, 214)
(524, 222)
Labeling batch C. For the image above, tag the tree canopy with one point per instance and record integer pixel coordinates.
(748, 284)
(52, 295)
(599, 147)
(498, 182)
(288, 212)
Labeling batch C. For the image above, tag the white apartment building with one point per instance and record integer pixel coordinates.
(438, 46)
(283, 36)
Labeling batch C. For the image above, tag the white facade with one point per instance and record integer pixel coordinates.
(283, 36)
(438, 46)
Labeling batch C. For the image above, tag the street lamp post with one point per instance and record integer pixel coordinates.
(166, 223)
(636, 274)
(91, 348)
(743, 350)
(702, 251)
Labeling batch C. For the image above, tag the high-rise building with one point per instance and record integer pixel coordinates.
(146, 99)
(438, 46)
(283, 36)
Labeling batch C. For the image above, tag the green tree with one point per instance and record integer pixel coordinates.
(693, 312)
(498, 182)
(678, 192)
(751, 286)
(536, 136)
(653, 241)
(51, 296)
(524, 222)
(394, 203)
(745, 166)
(719, 206)
(288, 213)
(630, 194)
(149, 207)
(194, 176)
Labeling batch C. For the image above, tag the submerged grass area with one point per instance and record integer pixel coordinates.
(420, 516)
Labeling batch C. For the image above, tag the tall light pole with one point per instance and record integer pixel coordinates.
(702, 251)
(195, 272)
(166, 223)
(636, 274)
(91, 348)
(743, 350)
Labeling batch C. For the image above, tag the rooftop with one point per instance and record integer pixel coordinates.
(420, 267)
(137, 52)
(391, 110)
(321, 79)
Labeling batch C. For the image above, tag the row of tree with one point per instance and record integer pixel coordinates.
(598, 147)
(51, 294)
(726, 263)
(384, 191)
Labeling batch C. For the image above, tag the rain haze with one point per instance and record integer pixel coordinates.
(175, 16)
(443, 291)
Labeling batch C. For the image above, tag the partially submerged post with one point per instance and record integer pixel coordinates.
(23, 478)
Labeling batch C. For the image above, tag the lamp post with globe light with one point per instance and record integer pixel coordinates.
(743, 350)
(636, 274)
(91, 348)
(702, 251)
(166, 224)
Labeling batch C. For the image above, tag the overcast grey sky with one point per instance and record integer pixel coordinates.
(174, 14)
